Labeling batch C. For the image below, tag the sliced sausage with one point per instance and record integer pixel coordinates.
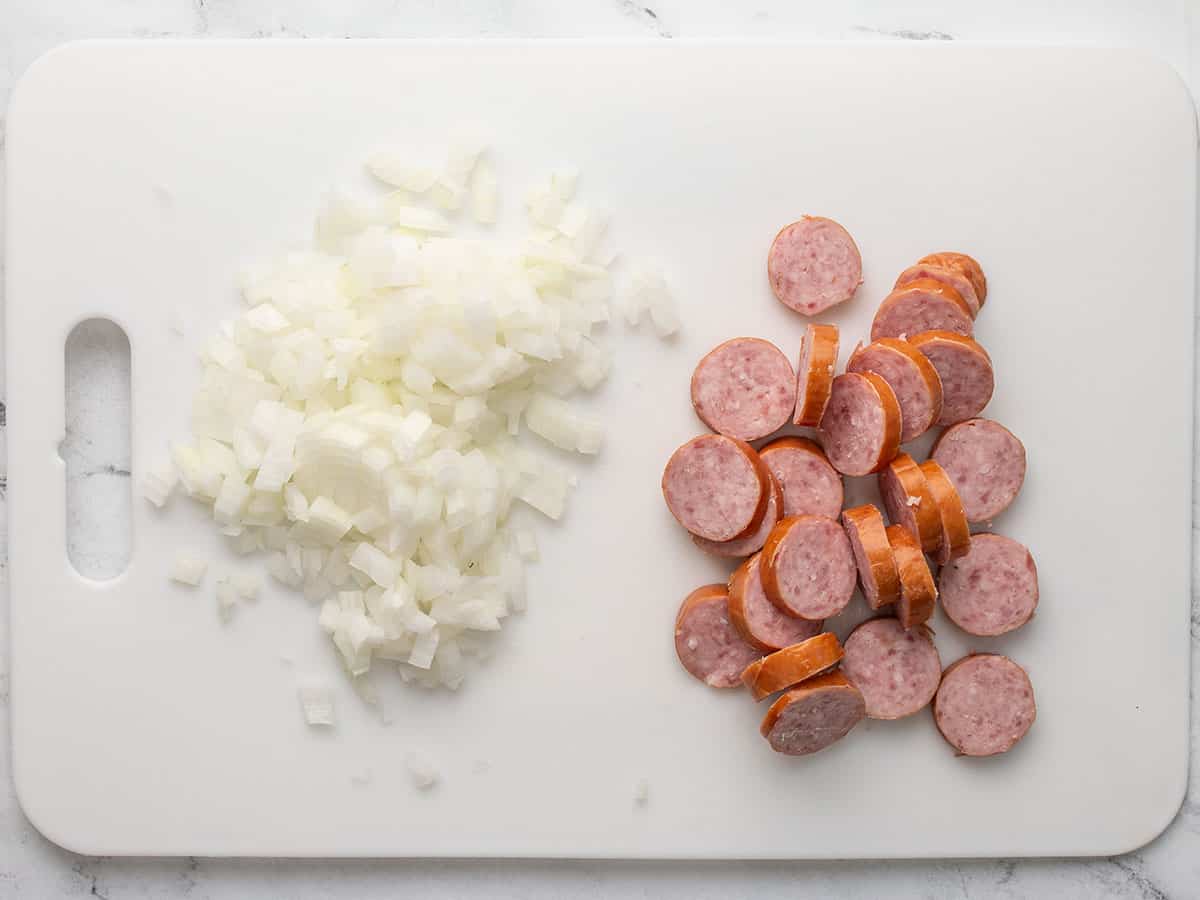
(814, 715)
(808, 568)
(956, 533)
(897, 669)
(922, 305)
(811, 486)
(716, 487)
(744, 388)
(753, 542)
(860, 430)
(908, 502)
(757, 619)
(991, 590)
(877, 574)
(707, 643)
(964, 264)
(814, 264)
(985, 705)
(792, 665)
(951, 277)
(918, 593)
(986, 463)
(966, 372)
(910, 375)
(814, 374)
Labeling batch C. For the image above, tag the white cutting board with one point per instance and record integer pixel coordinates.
(142, 726)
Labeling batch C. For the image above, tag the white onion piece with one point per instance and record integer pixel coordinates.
(421, 770)
(554, 420)
(251, 540)
(316, 701)
(227, 597)
(420, 219)
(158, 483)
(188, 570)
(395, 168)
(246, 585)
(641, 792)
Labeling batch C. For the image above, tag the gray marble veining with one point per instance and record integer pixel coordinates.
(32, 867)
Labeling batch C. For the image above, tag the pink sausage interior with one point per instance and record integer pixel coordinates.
(816, 719)
(912, 310)
(814, 264)
(766, 622)
(852, 429)
(709, 646)
(897, 669)
(984, 705)
(985, 462)
(814, 568)
(811, 486)
(744, 388)
(967, 379)
(712, 488)
(918, 407)
(991, 590)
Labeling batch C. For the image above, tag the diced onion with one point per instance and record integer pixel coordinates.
(227, 597)
(360, 420)
(316, 701)
(421, 770)
(188, 570)
(246, 585)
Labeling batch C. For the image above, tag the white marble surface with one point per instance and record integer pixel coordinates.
(31, 867)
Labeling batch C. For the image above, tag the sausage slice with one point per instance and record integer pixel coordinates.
(964, 264)
(753, 542)
(897, 669)
(808, 567)
(744, 388)
(922, 305)
(792, 665)
(811, 486)
(757, 619)
(814, 715)
(956, 533)
(814, 264)
(950, 277)
(986, 463)
(814, 373)
(966, 372)
(991, 590)
(707, 643)
(985, 705)
(918, 593)
(908, 502)
(716, 487)
(860, 430)
(912, 377)
(877, 574)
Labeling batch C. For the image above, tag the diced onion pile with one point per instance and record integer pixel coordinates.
(360, 420)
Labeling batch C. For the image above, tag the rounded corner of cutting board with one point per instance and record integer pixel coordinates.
(54, 824)
(44, 73)
(1162, 80)
(1132, 834)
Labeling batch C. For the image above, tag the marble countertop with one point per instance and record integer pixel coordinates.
(30, 866)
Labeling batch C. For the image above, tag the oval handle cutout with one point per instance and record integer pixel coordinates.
(96, 449)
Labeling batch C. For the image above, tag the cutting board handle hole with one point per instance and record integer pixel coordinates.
(96, 449)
